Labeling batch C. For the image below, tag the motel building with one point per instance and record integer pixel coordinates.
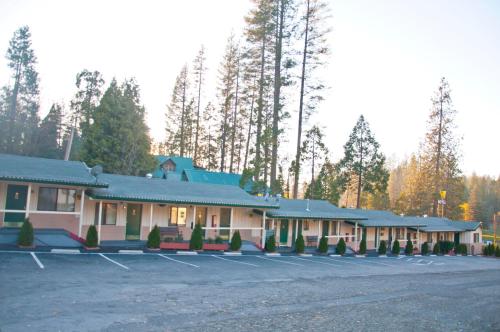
(67, 195)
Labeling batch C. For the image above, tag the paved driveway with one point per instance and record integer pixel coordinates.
(158, 292)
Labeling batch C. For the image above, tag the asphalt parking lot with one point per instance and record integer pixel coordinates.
(168, 292)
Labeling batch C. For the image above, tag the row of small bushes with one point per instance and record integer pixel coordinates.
(491, 250)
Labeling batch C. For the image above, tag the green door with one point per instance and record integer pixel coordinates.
(284, 231)
(325, 228)
(16, 200)
(133, 229)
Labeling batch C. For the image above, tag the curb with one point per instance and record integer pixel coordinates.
(360, 256)
(131, 252)
(272, 254)
(187, 253)
(65, 251)
(335, 255)
(382, 256)
(305, 255)
(232, 253)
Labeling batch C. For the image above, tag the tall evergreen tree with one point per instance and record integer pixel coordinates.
(21, 103)
(314, 32)
(118, 138)
(49, 142)
(199, 77)
(178, 116)
(363, 162)
(313, 149)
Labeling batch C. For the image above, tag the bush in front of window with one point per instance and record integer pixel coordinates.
(323, 245)
(382, 248)
(270, 244)
(436, 249)
(362, 247)
(154, 238)
(92, 237)
(425, 248)
(236, 241)
(219, 240)
(396, 248)
(340, 248)
(26, 237)
(299, 244)
(196, 242)
(409, 248)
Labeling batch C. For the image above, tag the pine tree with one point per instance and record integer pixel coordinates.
(209, 155)
(199, 77)
(178, 116)
(314, 33)
(326, 185)
(313, 149)
(49, 143)
(118, 139)
(363, 162)
(21, 100)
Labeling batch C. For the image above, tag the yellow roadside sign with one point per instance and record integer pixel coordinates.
(443, 194)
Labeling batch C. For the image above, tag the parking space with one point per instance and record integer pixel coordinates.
(165, 291)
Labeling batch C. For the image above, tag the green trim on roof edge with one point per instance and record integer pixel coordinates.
(67, 183)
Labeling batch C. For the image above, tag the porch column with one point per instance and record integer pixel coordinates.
(230, 225)
(319, 231)
(418, 239)
(150, 217)
(263, 240)
(80, 222)
(296, 229)
(99, 224)
(28, 198)
(356, 235)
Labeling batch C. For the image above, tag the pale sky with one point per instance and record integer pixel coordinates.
(387, 58)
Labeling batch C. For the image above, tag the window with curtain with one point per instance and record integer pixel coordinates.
(178, 216)
(56, 199)
(109, 213)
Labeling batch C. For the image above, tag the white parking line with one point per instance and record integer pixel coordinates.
(342, 260)
(178, 261)
(367, 260)
(113, 261)
(313, 261)
(37, 260)
(234, 261)
(278, 260)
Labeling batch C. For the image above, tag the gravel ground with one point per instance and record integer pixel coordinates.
(88, 292)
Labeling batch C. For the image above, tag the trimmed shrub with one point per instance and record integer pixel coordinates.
(323, 245)
(396, 248)
(196, 242)
(154, 238)
(382, 248)
(26, 236)
(340, 248)
(460, 249)
(218, 240)
(299, 244)
(92, 237)
(446, 246)
(236, 241)
(489, 250)
(436, 250)
(362, 247)
(497, 251)
(425, 248)
(270, 244)
(409, 248)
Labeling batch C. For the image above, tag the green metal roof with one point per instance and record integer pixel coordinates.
(435, 224)
(203, 176)
(141, 189)
(50, 171)
(380, 218)
(181, 163)
(309, 209)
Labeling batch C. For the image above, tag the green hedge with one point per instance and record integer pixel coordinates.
(425, 249)
(461, 249)
(92, 237)
(497, 251)
(323, 245)
(409, 248)
(154, 238)
(396, 248)
(299, 244)
(436, 249)
(445, 247)
(196, 242)
(340, 248)
(270, 244)
(362, 247)
(236, 241)
(26, 236)
(382, 248)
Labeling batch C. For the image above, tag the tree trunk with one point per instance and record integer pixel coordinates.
(235, 122)
(360, 175)
(301, 107)
(183, 118)
(198, 114)
(438, 156)
(249, 129)
(260, 107)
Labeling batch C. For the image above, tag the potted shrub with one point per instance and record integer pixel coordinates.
(425, 248)
(409, 248)
(270, 244)
(218, 240)
(154, 238)
(92, 238)
(323, 245)
(196, 242)
(497, 251)
(396, 248)
(362, 247)
(340, 248)
(299, 244)
(382, 248)
(236, 241)
(26, 237)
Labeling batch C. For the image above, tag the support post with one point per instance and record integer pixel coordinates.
(150, 217)
(319, 231)
(418, 239)
(80, 221)
(28, 199)
(99, 224)
(263, 240)
(230, 225)
(296, 229)
(356, 235)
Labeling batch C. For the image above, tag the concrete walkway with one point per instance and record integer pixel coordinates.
(56, 238)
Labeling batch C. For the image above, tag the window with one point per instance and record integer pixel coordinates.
(201, 216)
(476, 237)
(382, 230)
(178, 216)
(346, 237)
(55, 199)
(169, 166)
(429, 237)
(333, 229)
(109, 212)
(306, 225)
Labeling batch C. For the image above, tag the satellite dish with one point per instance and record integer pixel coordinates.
(96, 170)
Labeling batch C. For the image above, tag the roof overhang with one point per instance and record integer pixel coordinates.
(54, 181)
